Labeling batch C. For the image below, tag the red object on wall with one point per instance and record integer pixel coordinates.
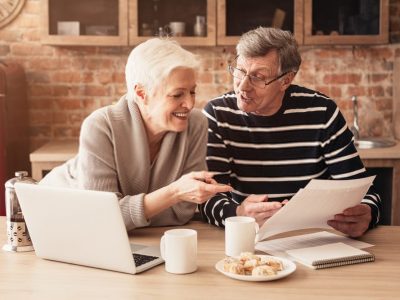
(14, 139)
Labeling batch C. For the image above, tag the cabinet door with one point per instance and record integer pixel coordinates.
(346, 22)
(194, 19)
(236, 17)
(87, 22)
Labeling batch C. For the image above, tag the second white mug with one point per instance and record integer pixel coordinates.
(177, 28)
(179, 250)
(240, 235)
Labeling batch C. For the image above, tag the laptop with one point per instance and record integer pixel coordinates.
(82, 227)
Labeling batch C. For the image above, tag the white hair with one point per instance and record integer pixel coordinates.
(150, 63)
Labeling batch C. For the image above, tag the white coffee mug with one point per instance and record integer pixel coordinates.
(179, 250)
(240, 235)
(177, 28)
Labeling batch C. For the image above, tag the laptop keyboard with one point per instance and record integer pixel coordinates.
(141, 259)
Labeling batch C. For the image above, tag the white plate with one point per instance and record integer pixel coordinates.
(288, 268)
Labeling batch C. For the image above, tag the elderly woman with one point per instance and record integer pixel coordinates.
(150, 146)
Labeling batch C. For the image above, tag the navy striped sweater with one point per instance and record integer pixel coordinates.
(277, 155)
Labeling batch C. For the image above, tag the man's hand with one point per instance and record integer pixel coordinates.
(256, 206)
(354, 221)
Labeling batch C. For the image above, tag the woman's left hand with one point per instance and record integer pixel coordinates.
(197, 187)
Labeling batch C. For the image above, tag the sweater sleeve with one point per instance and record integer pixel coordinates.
(197, 135)
(96, 169)
(221, 206)
(193, 161)
(342, 159)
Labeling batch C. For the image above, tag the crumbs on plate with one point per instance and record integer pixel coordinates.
(253, 265)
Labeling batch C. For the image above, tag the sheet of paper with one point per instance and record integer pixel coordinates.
(278, 247)
(314, 205)
(322, 184)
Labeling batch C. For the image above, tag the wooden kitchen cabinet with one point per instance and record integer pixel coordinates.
(346, 22)
(151, 17)
(236, 17)
(88, 22)
(119, 22)
(130, 22)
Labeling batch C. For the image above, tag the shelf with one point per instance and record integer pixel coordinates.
(236, 17)
(146, 17)
(346, 22)
(89, 22)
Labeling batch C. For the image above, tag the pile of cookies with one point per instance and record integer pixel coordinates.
(253, 265)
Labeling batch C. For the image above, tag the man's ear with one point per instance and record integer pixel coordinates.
(140, 93)
(287, 80)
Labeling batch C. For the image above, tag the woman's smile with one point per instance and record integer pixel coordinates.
(181, 115)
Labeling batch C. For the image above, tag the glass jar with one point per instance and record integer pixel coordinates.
(18, 239)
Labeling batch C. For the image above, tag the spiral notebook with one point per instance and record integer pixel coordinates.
(330, 255)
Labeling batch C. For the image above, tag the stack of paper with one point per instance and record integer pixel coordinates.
(314, 205)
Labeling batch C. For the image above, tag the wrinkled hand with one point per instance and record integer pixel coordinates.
(256, 206)
(354, 221)
(197, 187)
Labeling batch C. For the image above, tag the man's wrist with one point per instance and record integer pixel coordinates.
(230, 210)
(374, 221)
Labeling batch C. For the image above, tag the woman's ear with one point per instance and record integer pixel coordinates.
(140, 93)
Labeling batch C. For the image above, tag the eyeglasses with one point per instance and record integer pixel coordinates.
(254, 80)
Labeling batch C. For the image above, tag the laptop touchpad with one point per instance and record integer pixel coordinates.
(137, 247)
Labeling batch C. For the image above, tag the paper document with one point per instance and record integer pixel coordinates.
(278, 247)
(314, 205)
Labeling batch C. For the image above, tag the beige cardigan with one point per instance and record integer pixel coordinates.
(114, 156)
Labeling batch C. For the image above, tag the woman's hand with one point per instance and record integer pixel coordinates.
(197, 187)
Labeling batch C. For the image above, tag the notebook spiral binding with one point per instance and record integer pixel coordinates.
(330, 263)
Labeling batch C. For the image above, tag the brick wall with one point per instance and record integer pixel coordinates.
(65, 84)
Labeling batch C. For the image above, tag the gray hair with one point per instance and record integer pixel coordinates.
(150, 63)
(260, 41)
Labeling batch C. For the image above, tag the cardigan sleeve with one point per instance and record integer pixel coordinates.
(96, 169)
(195, 159)
(197, 147)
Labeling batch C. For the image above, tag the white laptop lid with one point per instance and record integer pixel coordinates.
(76, 226)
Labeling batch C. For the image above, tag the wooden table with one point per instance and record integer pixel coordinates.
(24, 276)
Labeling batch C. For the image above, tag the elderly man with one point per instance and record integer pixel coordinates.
(268, 138)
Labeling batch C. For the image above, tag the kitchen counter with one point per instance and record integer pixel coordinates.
(50, 155)
(387, 158)
(55, 153)
(381, 153)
